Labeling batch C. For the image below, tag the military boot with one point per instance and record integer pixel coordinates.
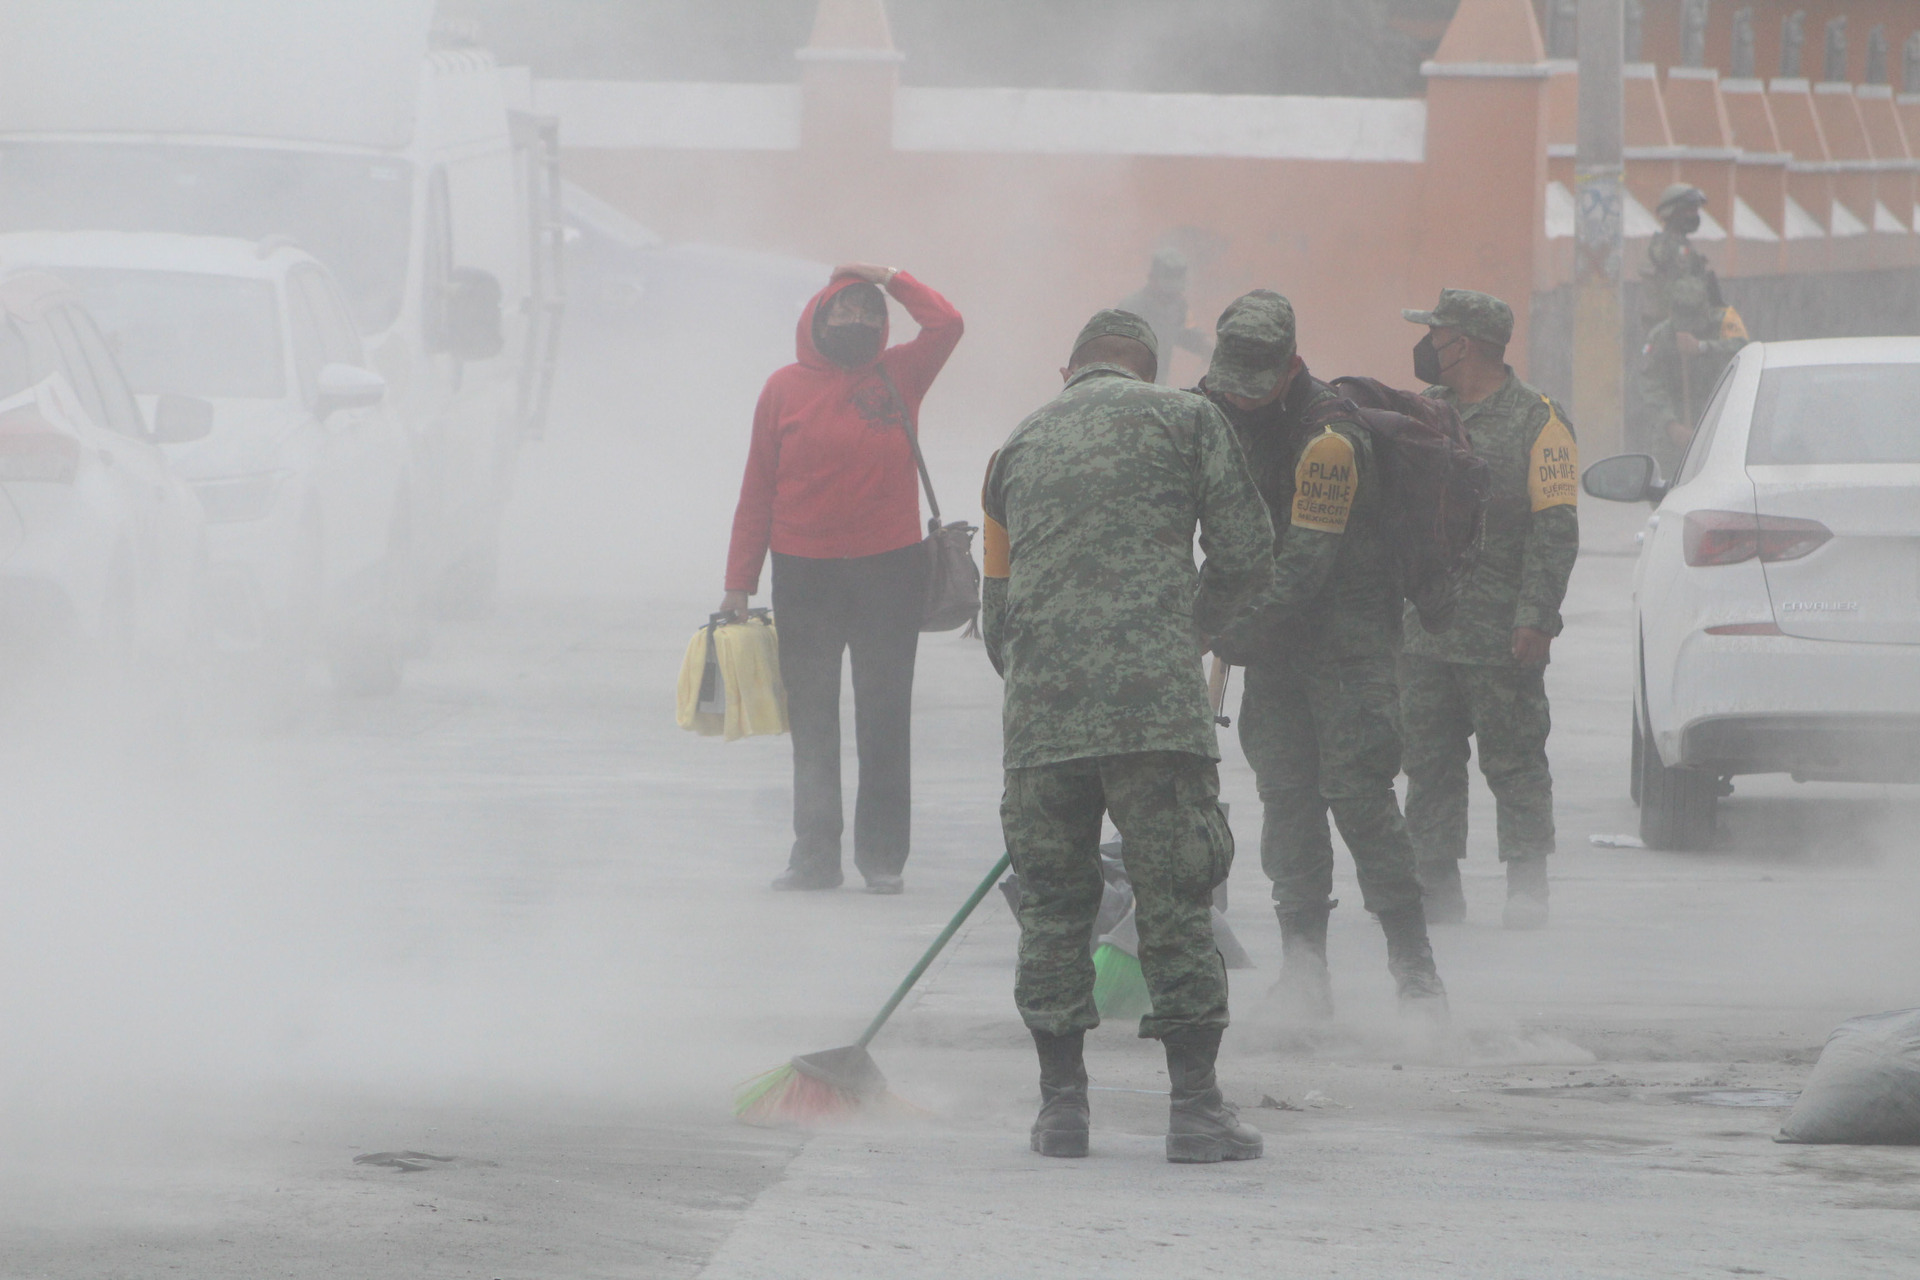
(1440, 891)
(1526, 894)
(1061, 1129)
(1304, 992)
(1202, 1126)
(1410, 961)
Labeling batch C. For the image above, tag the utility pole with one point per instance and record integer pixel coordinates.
(1599, 382)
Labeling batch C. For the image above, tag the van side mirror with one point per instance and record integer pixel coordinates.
(473, 314)
(343, 386)
(179, 419)
(1625, 477)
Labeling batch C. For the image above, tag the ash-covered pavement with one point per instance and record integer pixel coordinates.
(514, 916)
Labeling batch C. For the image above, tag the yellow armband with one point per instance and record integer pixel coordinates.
(1324, 484)
(994, 547)
(1553, 467)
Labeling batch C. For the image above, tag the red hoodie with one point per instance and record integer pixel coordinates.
(830, 473)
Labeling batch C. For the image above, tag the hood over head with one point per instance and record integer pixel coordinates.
(808, 349)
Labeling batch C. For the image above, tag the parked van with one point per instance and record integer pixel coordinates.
(407, 163)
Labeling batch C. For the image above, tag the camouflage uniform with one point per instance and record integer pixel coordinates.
(1675, 387)
(1464, 681)
(1093, 613)
(1320, 717)
(1670, 255)
(1162, 303)
(1319, 720)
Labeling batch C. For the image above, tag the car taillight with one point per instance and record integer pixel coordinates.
(45, 456)
(1730, 537)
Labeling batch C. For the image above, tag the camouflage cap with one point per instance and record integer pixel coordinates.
(1113, 322)
(1255, 344)
(1678, 194)
(1478, 315)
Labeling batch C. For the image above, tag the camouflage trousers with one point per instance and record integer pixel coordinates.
(1326, 737)
(1176, 846)
(1504, 709)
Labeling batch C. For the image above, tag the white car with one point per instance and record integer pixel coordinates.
(100, 543)
(304, 477)
(1777, 595)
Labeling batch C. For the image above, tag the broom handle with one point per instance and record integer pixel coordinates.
(939, 944)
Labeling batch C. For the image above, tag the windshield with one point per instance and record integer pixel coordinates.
(1837, 413)
(351, 212)
(187, 332)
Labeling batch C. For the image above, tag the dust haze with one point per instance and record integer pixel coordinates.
(515, 889)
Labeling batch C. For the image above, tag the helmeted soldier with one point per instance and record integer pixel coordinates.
(1683, 359)
(1484, 676)
(1162, 303)
(1319, 720)
(1094, 614)
(1671, 255)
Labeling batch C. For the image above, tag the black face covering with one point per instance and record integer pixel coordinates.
(1426, 361)
(1686, 223)
(849, 345)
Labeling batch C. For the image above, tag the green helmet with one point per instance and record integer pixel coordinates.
(1679, 195)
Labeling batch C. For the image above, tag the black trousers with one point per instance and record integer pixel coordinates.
(869, 608)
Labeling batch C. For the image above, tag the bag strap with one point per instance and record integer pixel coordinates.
(913, 438)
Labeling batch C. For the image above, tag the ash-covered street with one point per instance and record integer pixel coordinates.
(515, 917)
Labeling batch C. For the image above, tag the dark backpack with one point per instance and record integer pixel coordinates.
(1435, 488)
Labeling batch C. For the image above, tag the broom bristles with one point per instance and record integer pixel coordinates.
(787, 1095)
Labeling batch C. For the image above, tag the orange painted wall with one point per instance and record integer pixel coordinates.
(1029, 246)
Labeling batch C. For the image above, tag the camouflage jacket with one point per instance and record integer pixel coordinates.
(1533, 527)
(1674, 388)
(1092, 608)
(1335, 594)
(1166, 313)
(1669, 256)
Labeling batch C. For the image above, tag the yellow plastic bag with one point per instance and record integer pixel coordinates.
(730, 680)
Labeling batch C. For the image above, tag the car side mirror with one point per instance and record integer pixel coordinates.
(344, 386)
(179, 419)
(1625, 477)
(473, 314)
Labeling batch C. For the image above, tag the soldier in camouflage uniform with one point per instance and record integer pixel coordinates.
(1671, 255)
(1162, 303)
(1682, 361)
(1094, 614)
(1320, 717)
(1484, 677)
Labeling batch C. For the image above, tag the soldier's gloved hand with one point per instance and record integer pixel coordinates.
(1531, 647)
(1687, 343)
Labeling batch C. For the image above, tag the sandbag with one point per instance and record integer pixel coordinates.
(1866, 1086)
(730, 680)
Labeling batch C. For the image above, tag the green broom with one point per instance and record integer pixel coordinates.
(1119, 987)
(836, 1082)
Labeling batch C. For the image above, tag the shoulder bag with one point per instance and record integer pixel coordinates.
(952, 595)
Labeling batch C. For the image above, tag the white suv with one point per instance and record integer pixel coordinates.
(100, 544)
(1778, 589)
(304, 476)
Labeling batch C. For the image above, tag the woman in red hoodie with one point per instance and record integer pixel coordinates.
(832, 491)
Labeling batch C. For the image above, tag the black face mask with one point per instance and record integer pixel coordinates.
(1426, 361)
(1686, 223)
(849, 345)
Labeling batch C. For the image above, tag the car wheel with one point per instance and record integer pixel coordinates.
(1678, 807)
(288, 646)
(467, 592)
(371, 659)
